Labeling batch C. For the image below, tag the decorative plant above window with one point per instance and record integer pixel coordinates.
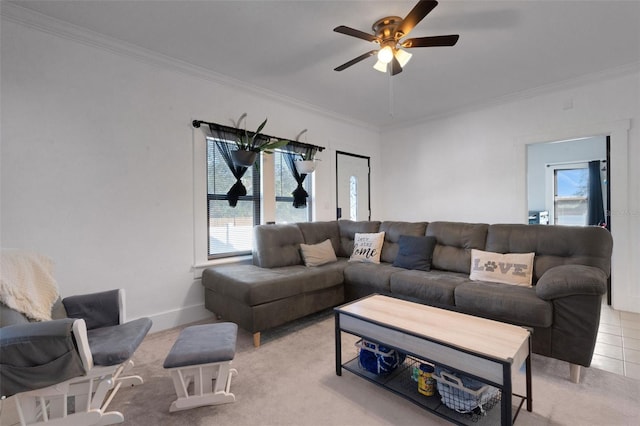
(250, 144)
(307, 162)
(254, 141)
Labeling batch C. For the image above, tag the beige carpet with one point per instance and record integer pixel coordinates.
(291, 380)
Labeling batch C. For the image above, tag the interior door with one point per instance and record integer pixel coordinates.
(352, 186)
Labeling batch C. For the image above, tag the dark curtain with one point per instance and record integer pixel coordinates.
(299, 194)
(595, 207)
(238, 189)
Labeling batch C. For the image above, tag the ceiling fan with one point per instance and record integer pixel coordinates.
(388, 33)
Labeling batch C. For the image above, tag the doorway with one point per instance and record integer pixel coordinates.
(558, 179)
(557, 182)
(352, 186)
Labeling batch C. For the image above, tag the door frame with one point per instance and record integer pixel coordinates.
(624, 296)
(368, 181)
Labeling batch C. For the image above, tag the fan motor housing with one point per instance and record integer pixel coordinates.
(385, 28)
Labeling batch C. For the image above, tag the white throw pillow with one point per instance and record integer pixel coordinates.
(318, 254)
(510, 268)
(367, 247)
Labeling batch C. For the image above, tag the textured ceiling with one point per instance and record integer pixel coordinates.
(289, 48)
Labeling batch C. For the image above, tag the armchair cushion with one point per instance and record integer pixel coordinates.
(37, 355)
(116, 344)
(97, 309)
(569, 280)
(10, 316)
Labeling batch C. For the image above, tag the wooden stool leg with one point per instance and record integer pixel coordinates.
(256, 339)
(204, 393)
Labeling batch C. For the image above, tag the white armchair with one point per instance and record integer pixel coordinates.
(66, 371)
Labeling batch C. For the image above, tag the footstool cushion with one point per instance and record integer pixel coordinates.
(203, 344)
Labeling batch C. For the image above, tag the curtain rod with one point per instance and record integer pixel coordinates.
(198, 123)
(573, 162)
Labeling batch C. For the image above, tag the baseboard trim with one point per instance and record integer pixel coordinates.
(176, 317)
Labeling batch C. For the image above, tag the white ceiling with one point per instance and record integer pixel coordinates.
(289, 48)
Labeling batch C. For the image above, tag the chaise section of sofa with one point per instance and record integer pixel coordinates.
(277, 288)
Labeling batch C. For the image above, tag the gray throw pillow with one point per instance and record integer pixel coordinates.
(415, 252)
(318, 254)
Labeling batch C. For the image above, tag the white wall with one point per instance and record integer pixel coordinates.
(472, 166)
(100, 161)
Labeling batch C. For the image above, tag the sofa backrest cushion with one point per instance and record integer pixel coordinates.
(348, 230)
(277, 245)
(317, 232)
(454, 241)
(553, 245)
(392, 231)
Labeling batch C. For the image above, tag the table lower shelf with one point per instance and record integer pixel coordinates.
(401, 383)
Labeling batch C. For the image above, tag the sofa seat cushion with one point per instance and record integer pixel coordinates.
(504, 302)
(253, 285)
(374, 276)
(436, 287)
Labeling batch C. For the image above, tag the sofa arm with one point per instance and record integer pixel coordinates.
(97, 309)
(569, 280)
(39, 354)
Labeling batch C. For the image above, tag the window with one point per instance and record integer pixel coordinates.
(353, 198)
(230, 229)
(284, 186)
(570, 195)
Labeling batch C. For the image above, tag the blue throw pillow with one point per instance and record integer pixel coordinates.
(415, 252)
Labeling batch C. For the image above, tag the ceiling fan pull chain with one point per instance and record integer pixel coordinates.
(391, 112)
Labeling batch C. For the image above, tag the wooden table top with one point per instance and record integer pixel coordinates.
(474, 334)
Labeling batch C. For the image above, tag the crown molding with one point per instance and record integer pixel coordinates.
(35, 20)
(568, 84)
(44, 23)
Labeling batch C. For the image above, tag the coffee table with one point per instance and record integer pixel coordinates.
(486, 350)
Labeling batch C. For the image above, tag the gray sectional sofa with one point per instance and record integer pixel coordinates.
(570, 271)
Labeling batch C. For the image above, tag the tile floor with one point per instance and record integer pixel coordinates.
(618, 343)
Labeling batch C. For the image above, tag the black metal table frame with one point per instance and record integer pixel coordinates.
(506, 387)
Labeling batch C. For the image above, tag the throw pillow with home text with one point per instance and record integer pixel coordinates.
(367, 247)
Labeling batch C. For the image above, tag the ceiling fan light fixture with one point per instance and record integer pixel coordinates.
(403, 57)
(385, 55)
(388, 34)
(380, 66)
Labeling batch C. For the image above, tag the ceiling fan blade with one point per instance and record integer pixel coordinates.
(396, 68)
(355, 60)
(446, 40)
(355, 33)
(416, 15)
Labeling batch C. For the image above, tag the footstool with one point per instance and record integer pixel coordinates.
(200, 355)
